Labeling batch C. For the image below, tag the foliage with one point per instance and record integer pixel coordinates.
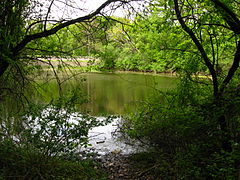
(73, 41)
(197, 125)
(185, 131)
(151, 43)
(44, 141)
(19, 162)
(108, 57)
(187, 136)
(55, 129)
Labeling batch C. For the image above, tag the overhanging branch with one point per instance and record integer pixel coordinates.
(53, 30)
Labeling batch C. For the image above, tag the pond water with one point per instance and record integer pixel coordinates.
(111, 94)
(105, 139)
(115, 93)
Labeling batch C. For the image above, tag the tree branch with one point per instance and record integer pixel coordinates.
(233, 21)
(229, 16)
(232, 70)
(199, 46)
(46, 18)
(52, 31)
(215, 24)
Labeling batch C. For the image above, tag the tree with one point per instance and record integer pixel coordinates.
(197, 124)
(192, 23)
(17, 33)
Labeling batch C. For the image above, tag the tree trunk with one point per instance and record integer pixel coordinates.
(225, 135)
(3, 66)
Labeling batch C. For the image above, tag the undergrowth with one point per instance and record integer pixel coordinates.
(43, 140)
(29, 163)
(185, 135)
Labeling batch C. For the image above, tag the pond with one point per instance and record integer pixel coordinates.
(112, 93)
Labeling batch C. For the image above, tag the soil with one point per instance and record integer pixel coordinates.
(122, 167)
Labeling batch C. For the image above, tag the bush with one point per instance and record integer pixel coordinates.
(187, 134)
(43, 142)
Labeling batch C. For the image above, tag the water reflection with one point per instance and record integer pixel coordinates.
(111, 93)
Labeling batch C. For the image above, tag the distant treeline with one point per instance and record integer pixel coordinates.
(150, 43)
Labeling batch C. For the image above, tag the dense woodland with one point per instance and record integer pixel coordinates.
(192, 130)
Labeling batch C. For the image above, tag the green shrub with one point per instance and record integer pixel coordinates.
(187, 133)
(18, 162)
(43, 142)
